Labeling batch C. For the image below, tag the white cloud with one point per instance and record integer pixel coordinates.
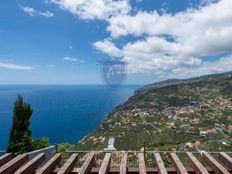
(172, 41)
(73, 59)
(94, 9)
(163, 44)
(224, 64)
(108, 47)
(15, 66)
(180, 25)
(155, 54)
(46, 14)
(32, 12)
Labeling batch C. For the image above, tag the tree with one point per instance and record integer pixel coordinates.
(20, 139)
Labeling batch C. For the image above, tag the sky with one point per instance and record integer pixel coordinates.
(63, 41)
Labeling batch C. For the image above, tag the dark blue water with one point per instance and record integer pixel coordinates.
(61, 113)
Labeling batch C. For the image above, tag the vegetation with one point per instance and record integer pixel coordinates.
(63, 147)
(40, 143)
(20, 139)
(192, 114)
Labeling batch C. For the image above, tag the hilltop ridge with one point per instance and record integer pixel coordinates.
(189, 80)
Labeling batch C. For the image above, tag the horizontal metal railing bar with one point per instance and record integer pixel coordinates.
(117, 151)
(134, 151)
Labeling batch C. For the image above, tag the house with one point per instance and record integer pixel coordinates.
(208, 132)
(188, 144)
(195, 121)
(203, 133)
(194, 102)
(197, 143)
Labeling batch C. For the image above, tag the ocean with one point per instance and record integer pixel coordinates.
(61, 113)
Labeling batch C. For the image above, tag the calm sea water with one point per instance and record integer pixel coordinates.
(61, 113)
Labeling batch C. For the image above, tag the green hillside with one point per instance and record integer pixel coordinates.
(171, 115)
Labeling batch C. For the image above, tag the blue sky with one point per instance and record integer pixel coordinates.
(59, 41)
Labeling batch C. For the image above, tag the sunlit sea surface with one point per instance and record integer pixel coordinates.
(61, 113)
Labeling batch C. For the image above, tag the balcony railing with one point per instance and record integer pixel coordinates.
(122, 162)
